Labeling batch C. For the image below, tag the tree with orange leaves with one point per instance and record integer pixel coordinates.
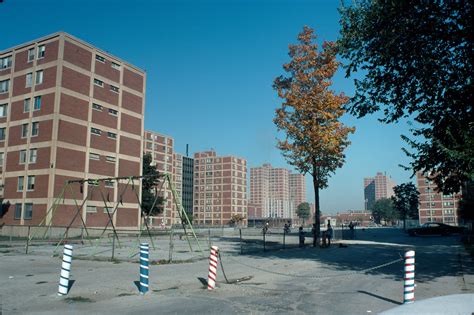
(315, 139)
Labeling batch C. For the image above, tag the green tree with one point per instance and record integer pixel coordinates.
(309, 116)
(383, 209)
(303, 211)
(417, 60)
(151, 204)
(405, 201)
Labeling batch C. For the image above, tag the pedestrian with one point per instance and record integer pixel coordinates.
(265, 228)
(351, 228)
(329, 233)
(301, 235)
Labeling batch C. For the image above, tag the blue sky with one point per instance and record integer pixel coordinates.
(210, 67)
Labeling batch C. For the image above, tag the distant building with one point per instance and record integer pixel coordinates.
(434, 206)
(276, 191)
(161, 148)
(188, 185)
(357, 217)
(220, 188)
(375, 188)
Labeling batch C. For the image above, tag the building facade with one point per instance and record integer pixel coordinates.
(375, 188)
(188, 185)
(69, 111)
(276, 191)
(436, 206)
(220, 188)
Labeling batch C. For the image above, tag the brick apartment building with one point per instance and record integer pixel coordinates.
(220, 188)
(161, 148)
(68, 110)
(435, 206)
(375, 188)
(275, 192)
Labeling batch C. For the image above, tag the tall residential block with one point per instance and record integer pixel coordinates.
(68, 111)
(220, 188)
(435, 206)
(161, 148)
(276, 192)
(188, 185)
(375, 188)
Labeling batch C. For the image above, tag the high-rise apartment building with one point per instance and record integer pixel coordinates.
(188, 185)
(435, 206)
(297, 187)
(275, 192)
(68, 111)
(375, 188)
(161, 148)
(220, 188)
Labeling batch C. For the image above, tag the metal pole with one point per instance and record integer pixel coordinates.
(113, 246)
(284, 234)
(171, 246)
(409, 283)
(28, 240)
(65, 270)
(264, 243)
(241, 249)
(144, 267)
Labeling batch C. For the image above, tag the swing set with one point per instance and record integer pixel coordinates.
(130, 183)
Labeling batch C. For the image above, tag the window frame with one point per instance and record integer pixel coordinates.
(89, 209)
(39, 77)
(3, 133)
(115, 65)
(3, 110)
(110, 159)
(37, 100)
(29, 80)
(22, 157)
(25, 131)
(41, 52)
(113, 112)
(96, 131)
(20, 188)
(100, 58)
(111, 135)
(15, 216)
(5, 82)
(25, 102)
(114, 89)
(30, 56)
(35, 131)
(30, 183)
(94, 156)
(99, 83)
(8, 64)
(97, 107)
(35, 155)
(28, 214)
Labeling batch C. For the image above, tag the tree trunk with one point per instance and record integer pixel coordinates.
(317, 212)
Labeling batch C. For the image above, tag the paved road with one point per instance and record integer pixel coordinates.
(299, 281)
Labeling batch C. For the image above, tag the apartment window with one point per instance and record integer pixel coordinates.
(108, 210)
(3, 110)
(100, 58)
(41, 50)
(21, 183)
(110, 159)
(114, 88)
(94, 156)
(24, 130)
(1, 158)
(97, 107)
(112, 135)
(26, 105)
(34, 129)
(31, 182)
(4, 86)
(33, 155)
(17, 211)
(96, 131)
(91, 209)
(98, 82)
(29, 80)
(449, 211)
(39, 77)
(116, 66)
(113, 112)
(2, 133)
(109, 183)
(5, 62)
(28, 211)
(37, 103)
(31, 54)
(22, 156)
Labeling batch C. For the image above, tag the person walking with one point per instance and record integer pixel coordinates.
(301, 236)
(329, 233)
(351, 228)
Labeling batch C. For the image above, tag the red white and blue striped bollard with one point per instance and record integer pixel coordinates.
(144, 267)
(211, 279)
(409, 280)
(65, 270)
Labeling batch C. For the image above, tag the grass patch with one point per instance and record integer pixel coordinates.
(78, 299)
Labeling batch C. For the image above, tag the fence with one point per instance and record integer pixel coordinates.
(167, 245)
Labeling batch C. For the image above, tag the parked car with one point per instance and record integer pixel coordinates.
(435, 228)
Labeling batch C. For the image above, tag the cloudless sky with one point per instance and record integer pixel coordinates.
(210, 67)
